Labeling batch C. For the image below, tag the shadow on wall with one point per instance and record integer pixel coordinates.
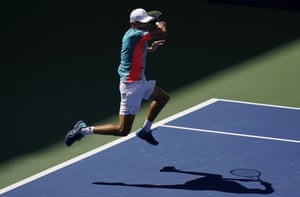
(60, 58)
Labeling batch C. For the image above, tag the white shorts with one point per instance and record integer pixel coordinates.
(132, 95)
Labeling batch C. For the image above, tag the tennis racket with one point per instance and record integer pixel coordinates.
(155, 14)
(250, 174)
(156, 17)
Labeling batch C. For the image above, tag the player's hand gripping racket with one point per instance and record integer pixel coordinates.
(250, 174)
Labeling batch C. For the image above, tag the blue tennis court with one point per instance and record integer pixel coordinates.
(198, 149)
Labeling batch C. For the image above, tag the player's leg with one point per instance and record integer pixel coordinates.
(80, 129)
(130, 103)
(121, 129)
(159, 99)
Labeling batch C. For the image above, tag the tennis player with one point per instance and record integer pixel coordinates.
(134, 87)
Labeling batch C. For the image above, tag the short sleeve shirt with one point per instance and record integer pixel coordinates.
(133, 55)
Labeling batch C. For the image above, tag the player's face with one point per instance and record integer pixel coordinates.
(142, 26)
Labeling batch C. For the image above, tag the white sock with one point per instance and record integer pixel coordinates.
(147, 125)
(87, 131)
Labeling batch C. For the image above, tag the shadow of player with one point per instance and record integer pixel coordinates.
(207, 181)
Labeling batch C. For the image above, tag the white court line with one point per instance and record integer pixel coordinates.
(259, 104)
(101, 148)
(231, 133)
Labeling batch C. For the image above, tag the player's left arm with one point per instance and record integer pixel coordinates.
(154, 46)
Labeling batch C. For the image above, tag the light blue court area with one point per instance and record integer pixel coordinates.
(198, 149)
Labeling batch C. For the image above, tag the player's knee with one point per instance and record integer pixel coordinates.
(164, 99)
(124, 131)
(160, 96)
(167, 98)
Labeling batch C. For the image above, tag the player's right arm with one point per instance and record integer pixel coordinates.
(160, 31)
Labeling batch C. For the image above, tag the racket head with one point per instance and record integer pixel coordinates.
(247, 173)
(155, 14)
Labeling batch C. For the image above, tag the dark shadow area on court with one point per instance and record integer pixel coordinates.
(59, 58)
(207, 181)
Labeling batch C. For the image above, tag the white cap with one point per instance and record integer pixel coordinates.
(140, 15)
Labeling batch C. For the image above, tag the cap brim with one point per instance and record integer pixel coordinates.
(147, 19)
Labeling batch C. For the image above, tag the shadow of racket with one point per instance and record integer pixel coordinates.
(251, 174)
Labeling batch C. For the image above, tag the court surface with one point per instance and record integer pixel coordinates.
(198, 149)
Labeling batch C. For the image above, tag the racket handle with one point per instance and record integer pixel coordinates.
(168, 169)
